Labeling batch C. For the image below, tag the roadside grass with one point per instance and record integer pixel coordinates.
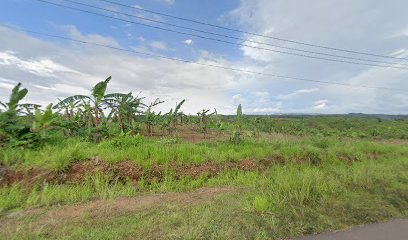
(149, 152)
(308, 184)
(285, 201)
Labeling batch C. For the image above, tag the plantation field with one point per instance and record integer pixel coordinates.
(83, 172)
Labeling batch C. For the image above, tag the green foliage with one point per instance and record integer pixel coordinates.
(260, 203)
(318, 172)
(171, 119)
(98, 91)
(152, 118)
(204, 118)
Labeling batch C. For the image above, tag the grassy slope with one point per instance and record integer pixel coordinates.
(289, 199)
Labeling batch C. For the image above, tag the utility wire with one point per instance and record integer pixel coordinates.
(218, 40)
(231, 37)
(252, 33)
(197, 63)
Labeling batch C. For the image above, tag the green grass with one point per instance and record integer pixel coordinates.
(318, 180)
(289, 200)
(148, 152)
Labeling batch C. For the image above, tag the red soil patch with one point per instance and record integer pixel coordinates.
(121, 171)
(128, 170)
(209, 169)
(191, 134)
(25, 176)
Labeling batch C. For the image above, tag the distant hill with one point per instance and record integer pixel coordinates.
(311, 115)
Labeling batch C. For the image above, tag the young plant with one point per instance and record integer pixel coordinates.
(151, 118)
(124, 108)
(236, 136)
(204, 120)
(12, 128)
(170, 120)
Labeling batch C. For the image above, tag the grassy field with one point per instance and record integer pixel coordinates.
(137, 174)
(270, 186)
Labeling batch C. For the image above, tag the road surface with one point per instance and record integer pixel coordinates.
(393, 230)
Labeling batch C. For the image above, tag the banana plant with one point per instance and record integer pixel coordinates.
(239, 118)
(177, 113)
(218, 122)
(236, 136)
(43, 120)
(69, 105)
(170, 121)
(28, 109)
(16, 96)
(204, 119)
(12, 129)
(3, 107)
(98, 93)
(151, 117)
(124, 108)
(94, 102)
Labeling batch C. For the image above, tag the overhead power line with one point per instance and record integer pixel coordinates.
(252, 33)
(198, 63)
(220, 40)
(231, 37)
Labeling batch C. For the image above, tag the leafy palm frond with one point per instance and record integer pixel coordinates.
(3, 105)
(71, 100)
(16, 96)
(98, 91)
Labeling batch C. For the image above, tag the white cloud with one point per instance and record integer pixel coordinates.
(6, 85)
(265, 110)
(261, 94)
(167, 2)
(362, 25)
(40, 67)
(236, 99)
(399, 53)
(74, 69)
(159, 45)
(320, 104)
(8, 80)
(189, 42)
(44, 87)
(356, 25)
(297, 93)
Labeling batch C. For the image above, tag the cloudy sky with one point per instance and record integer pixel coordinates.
(55, 68)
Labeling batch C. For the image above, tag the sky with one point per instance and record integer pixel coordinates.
(53, 68)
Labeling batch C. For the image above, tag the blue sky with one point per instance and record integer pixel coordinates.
(31, 14)
(54, 69)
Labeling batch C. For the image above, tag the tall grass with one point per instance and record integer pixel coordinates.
(148, 152)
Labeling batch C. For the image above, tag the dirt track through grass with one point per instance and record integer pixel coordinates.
(57, 216)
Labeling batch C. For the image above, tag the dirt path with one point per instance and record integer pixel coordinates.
(107, 208)
(393, 230)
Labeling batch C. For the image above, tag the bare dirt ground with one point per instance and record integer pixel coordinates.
(49, 217)
(393, 230)
(191, 134)
(122, 171)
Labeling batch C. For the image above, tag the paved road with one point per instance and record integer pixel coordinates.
(393, 230)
